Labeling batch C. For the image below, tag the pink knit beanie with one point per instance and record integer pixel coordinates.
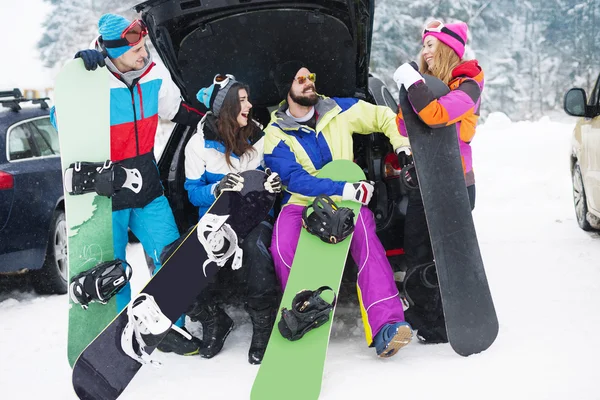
(453, 35)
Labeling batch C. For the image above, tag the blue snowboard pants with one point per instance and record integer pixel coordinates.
(154, 226)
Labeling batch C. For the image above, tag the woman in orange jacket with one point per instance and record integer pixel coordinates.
(442, 57)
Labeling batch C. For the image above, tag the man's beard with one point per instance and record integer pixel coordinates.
(305, 100)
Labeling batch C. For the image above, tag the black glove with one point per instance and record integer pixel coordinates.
(187, 115)
(92, 59)
(230, 183)
(273, 183)
(404, 155)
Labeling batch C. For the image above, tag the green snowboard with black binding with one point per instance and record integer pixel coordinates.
(82, 100)
(316, 264)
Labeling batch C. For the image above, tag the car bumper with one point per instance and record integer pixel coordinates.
(17, 261)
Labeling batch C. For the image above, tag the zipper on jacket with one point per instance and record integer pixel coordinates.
(133, 85)
(135, 127)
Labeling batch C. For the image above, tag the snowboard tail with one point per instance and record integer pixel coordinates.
(469, 311)
(316, 264)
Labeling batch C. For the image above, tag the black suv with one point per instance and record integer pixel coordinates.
(247, 38)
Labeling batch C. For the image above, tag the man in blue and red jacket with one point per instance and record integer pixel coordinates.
(140, 92)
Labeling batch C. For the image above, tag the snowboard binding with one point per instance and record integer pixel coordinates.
(100, 283)
(219, 240)
(146, 327)
(309, 311)
(332, 224)
(423, 277)
(103, 178)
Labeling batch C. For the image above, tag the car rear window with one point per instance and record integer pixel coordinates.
(19, 145)
(32, 138)
(46, 137)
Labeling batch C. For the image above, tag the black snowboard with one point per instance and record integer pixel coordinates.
(104, 370)
(471, 319)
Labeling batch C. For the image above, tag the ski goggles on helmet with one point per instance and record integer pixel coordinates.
(222, 80)
(439, 27)
(311, 77)
(131, 36)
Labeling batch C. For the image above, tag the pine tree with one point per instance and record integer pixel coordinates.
(531, 51)
(496, 39)
(73, 24)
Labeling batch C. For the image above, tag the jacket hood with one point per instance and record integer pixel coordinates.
(208, 127)
(323, 106)
(469, 69)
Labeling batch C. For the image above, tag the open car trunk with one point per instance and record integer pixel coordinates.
(249, 38)
(197, 39)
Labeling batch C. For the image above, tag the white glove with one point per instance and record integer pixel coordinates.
(273, 183)
(360, 192)
(406, 75)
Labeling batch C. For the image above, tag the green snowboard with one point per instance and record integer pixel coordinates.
(82, 100)
(316, 264)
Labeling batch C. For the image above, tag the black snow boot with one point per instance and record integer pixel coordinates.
(216, 326)
(433, 335)
(175, 342)
(262, 324)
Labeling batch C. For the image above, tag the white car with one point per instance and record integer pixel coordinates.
(585, 155)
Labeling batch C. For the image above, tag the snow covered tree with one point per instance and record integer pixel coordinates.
(399, 24)
(571, 35)
(531, 51)
(73, 24)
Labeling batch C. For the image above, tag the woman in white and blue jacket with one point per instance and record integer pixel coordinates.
(227, 143)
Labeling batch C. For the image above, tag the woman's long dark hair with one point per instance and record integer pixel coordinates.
(234, 138)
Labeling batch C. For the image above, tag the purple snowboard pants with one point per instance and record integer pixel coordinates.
(377, 290)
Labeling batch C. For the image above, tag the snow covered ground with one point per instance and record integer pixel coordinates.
(543, 271)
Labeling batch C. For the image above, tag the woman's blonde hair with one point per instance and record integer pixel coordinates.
(444, 62)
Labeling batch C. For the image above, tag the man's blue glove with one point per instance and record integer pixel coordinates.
(92, 59)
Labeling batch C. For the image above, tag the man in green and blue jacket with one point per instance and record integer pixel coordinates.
(306, 132)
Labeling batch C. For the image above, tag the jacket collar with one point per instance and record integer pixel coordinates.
(128, 77)
(470, 69)
(324, 109)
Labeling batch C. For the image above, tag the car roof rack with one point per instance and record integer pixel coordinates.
(16, 97)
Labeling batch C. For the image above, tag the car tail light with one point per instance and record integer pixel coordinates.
(391, 167)
(394, 252)
(6, 181)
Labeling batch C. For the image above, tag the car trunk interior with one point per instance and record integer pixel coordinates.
(198, 39)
